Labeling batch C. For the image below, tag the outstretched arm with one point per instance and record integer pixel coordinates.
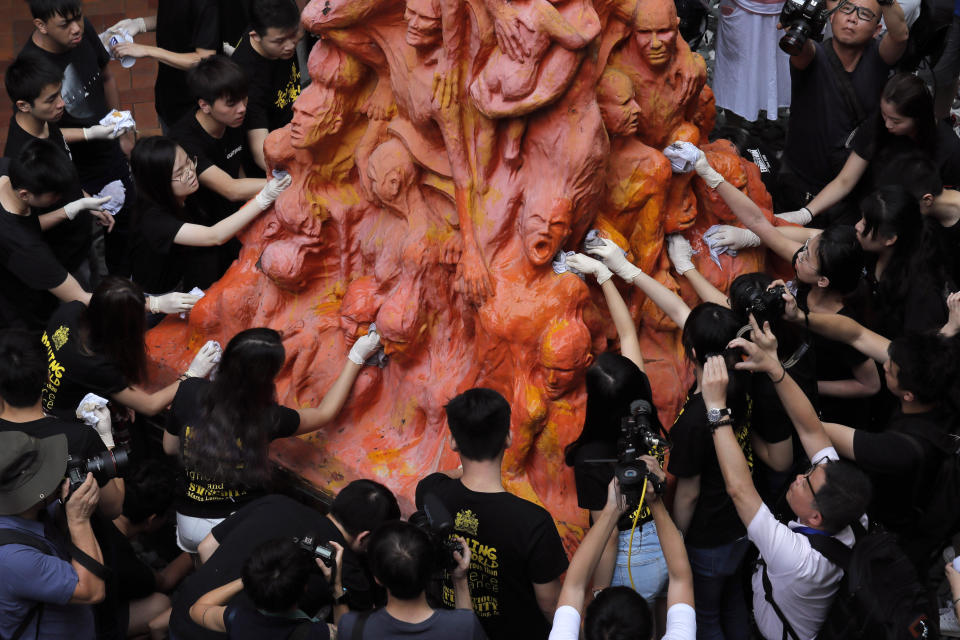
(838, 188)
(681, 256)
(680, 589)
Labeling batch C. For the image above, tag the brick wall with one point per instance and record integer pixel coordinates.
(135, 83)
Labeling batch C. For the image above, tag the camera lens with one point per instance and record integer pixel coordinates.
(793, 40)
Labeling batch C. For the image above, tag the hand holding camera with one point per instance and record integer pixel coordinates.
(761, 351)
(80, 501)
(461, 556)
(329, 559)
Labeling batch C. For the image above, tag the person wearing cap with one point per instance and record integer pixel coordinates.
(45, 595)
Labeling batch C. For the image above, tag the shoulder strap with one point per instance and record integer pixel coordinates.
(843, 79)
(788, 632)
(832, 549)
(12, 536)
(361, 623)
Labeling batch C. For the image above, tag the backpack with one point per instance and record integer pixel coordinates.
(879, 596)
(11, 536)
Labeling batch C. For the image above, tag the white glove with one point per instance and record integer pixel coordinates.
(272, 190)
(203, 362)
(801, 216)
(174, 302)
(680, 253)
(104, 426)
(615, 259)
(724, 237)
(364, 347)
(133, 26)
(102, 132)
(94, 412)
(585, 264)
(72, 209)
(683, 156)
(228, 49)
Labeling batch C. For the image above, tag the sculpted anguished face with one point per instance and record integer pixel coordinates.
(316, 114)
(656, 31)
(618, 106)
(544, 230)
(423, 24)
(391, 172)
(564, 356)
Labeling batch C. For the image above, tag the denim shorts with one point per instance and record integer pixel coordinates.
(646, 561)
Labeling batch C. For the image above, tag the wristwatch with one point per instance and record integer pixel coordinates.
(715, 416)
(342, 598)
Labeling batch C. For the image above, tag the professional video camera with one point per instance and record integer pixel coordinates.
(802, 19)
(436, 521)
(638, 437)
(103, 466)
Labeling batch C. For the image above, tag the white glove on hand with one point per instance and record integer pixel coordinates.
(207, 356)
(586, 264)
(801, 216)
(710, 175)
(72, 209)
(614, 259)
(104, 426)
(364, 347)
(174, 302)
(680, 253)
(724, 237)
(133, 26)
(102, 132)
(272, 190)
(683, 156)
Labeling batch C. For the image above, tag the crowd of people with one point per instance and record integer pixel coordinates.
(815, 463)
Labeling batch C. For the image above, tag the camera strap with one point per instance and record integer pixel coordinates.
(843, 80)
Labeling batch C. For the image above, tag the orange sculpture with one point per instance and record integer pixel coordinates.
(442, 155)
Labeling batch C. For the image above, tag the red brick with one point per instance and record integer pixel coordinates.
(146, 116)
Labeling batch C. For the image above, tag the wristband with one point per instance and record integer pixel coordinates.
(726, 422)
(782, 376)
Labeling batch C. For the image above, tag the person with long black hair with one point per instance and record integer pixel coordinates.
(172, 236)
(222, 428)
(100, 348)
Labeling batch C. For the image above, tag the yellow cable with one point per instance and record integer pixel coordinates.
(636, 515)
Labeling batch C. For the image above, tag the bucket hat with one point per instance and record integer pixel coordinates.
(30, 469)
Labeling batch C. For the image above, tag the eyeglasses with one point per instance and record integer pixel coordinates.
(804, 253)
(863, 13)
(188, 171)
(806, 478)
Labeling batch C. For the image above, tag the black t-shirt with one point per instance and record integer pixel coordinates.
(157, 263)
(244, 622)
(902, 472)
(234, 21)
(514, 543)
(205, 497)
(129, 579)
(73, 372)
(84, 99)
(227, 153)
(442, 625)
(69, 240)
(183, 26)
(274, 85)
(268, 518)
(820, 120)
(948, 239)
(715, 521)
(28, 270)
(946, 156)
(82, 441)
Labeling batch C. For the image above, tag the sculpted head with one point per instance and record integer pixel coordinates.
(317, 113)
(655, 31)
(392, 173)
(423, 24)
(544, 229)
(618, 106)
(564, 355)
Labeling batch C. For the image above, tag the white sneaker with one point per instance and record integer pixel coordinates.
(949, 626)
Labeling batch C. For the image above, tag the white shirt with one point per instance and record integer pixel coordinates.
(804, 582)
(681, 623)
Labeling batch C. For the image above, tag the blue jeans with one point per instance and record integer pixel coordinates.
(718, 591)
(645, 561)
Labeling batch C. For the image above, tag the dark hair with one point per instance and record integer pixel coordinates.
(275, 575)
(914, 171)
(613, 382)
(927, 366)
(708, 330)
(401, 557)
(479, 421)
(23, 368)
(42, 167)
(46, 9)
(363, 505)
(152, 162)
(844, 495)
(911, 97)
(114, 325)
(231, 440)
(150, 488)
(277, 14)
(617, 613)
(28, 75)
(841, 258)
(217, 77)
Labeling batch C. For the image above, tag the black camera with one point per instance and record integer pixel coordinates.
(638, 437)
(801, 20)
(326, 553)
(436, 521)
(104, 466)
(768, 305)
